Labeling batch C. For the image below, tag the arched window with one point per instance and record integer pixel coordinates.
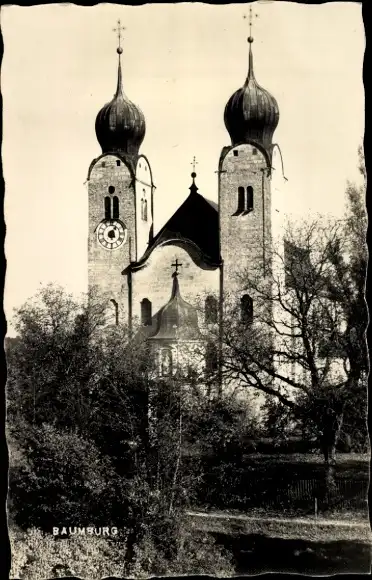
(118, 162)
(211, 309)
(241, 200)
(112, 313)
(146, 314)
(107, 208)
(211, 359)
(144, 206)
(166, 362)
(115, 202)
(249, 205)
(246, 308)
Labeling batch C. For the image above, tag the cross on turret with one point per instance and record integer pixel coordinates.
(194, 163)
(176, 265)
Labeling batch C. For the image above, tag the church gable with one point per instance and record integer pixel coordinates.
(150, 284)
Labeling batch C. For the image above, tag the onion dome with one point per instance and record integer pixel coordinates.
(177, 320)
(120, 124)
(251, 113)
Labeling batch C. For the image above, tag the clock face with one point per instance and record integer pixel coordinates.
(111, 234)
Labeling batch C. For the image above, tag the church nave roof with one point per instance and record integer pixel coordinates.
(194, 225)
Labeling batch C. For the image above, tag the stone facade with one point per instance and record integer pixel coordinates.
(244, 237)
(111, 176)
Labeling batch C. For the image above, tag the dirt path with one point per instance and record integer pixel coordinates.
(320, 520)
(312, 529)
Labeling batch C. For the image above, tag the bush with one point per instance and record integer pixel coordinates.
(37, 556)
(58, 477)
(195, 554)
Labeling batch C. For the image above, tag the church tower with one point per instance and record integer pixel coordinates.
(251, 117)
(120, 190)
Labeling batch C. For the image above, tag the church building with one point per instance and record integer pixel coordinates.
(171, 284)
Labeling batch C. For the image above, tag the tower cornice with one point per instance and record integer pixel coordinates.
(266, 153)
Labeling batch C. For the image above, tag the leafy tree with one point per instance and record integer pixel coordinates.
(51, 363)
(220, 425)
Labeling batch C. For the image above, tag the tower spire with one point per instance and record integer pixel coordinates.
(193, 188)
(251, 113)
(119, 50)
(120, 124)
(250, 61)
(250, 41)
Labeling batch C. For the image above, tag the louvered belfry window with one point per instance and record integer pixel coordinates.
(107, 208)
(115, 202)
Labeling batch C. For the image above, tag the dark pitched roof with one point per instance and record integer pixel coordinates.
(194, 224)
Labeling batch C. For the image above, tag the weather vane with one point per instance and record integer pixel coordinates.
(118, 30)
(194, 163)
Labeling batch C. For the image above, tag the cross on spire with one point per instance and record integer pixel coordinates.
(118, 30)
(250, 20)
(176, 265)
(194, 163)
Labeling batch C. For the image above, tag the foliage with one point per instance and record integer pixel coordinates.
(37, 556)
(219, 427)
(93, 438)
(51, 363)
(60, 477)
(195, 554)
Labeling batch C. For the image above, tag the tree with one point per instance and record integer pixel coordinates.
(346, 284)
(306, 348)
(51, 363)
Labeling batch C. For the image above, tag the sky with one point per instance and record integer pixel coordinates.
(181, 63)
